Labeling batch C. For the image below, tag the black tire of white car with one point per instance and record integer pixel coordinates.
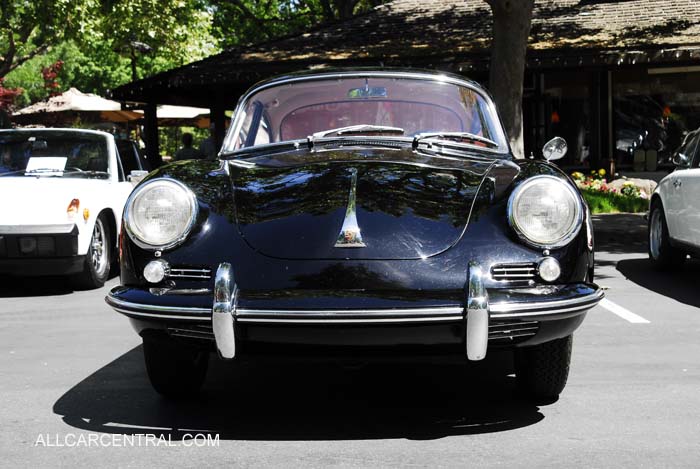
(541, 371)
(97, 263)
(662, 255)
(175, 370)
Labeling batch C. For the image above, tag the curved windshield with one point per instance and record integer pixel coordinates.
(56, 154)
(335, 106)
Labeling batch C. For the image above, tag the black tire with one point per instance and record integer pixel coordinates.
(98, 259)
(541, 371)
(174, 369)
(662, 255)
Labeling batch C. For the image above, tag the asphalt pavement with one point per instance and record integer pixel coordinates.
(74, 390)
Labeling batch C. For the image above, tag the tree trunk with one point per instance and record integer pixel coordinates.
(511, 28)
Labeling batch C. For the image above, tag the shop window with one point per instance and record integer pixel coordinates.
(653, 113)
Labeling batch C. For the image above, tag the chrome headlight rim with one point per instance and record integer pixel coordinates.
(563, 241)
(191, 199)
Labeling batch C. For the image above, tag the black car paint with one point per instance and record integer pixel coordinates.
(350, 280)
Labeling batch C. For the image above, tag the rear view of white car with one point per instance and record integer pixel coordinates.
(674, 213)
(62, 193)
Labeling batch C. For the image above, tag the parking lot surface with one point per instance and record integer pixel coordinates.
(72, 372)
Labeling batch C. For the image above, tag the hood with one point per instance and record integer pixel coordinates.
(354, 204)
(28, 200)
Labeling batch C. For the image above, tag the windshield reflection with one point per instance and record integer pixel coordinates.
(319, 106)
(53, 154)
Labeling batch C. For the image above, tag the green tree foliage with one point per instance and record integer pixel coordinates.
(30, 28)
(111, 48)
(237, 22)
(155, 35)
(106, 43)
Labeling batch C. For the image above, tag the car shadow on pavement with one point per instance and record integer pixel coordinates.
(679, 284)
(12, 287)
(620, 233)
(305, 402)
(15, 287)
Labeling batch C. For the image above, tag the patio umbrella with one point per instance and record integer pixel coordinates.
(72, 105)
(182, 116)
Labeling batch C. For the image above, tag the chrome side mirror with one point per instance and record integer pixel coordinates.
(680, 160)
(555, 149)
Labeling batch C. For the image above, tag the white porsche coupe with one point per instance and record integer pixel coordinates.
(62, 193)
(674, 212)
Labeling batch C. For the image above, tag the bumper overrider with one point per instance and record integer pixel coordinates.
(485, 314)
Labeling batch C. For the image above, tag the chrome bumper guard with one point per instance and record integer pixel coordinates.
(477, 316)
(222, 317)
(479, 311)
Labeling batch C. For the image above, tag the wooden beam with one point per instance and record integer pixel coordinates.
(218, 118)
(150, 134)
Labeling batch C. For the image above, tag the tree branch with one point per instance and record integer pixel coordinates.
(38, 50)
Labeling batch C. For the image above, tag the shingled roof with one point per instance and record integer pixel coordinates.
(445, 34)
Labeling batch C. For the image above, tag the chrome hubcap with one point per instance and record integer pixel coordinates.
(655, 234)
(99, 249)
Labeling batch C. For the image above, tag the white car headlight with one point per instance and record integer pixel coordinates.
(545, 211)
(160, 214)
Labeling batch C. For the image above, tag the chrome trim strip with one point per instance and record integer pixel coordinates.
(544, 312)
(460, 317)
(512, 336)
(189, 273)
(498, 309)
(446, 313)
(508, 275)
(477, 317)
(222, 316)
(64, 228)
(128, 312)
(510, 324)
(191, 335)
(140, 307)
(513, 269)
(243, 313)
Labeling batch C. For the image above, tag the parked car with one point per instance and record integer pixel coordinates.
(356, 214)
(62, 192)
(674, 210)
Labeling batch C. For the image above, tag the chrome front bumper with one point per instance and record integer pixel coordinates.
(481, 309)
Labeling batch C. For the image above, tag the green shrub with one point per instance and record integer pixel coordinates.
(608, 202)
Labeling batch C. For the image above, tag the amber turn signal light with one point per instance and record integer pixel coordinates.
(73, 207)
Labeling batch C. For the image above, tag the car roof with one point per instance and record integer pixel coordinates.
(360, 72)
(45, 130)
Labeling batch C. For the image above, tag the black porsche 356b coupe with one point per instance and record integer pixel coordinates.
(358, 213)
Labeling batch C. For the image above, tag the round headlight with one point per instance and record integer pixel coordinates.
(160, 214)
(545, 211)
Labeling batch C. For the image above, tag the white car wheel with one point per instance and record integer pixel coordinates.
(99, 253)
(655, 234)
(98, 258)
(661, 253)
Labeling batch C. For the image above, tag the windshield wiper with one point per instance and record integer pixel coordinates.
(456, 136)
(44, 171)
(359, 130)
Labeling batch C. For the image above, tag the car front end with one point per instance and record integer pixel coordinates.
(378, 246)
